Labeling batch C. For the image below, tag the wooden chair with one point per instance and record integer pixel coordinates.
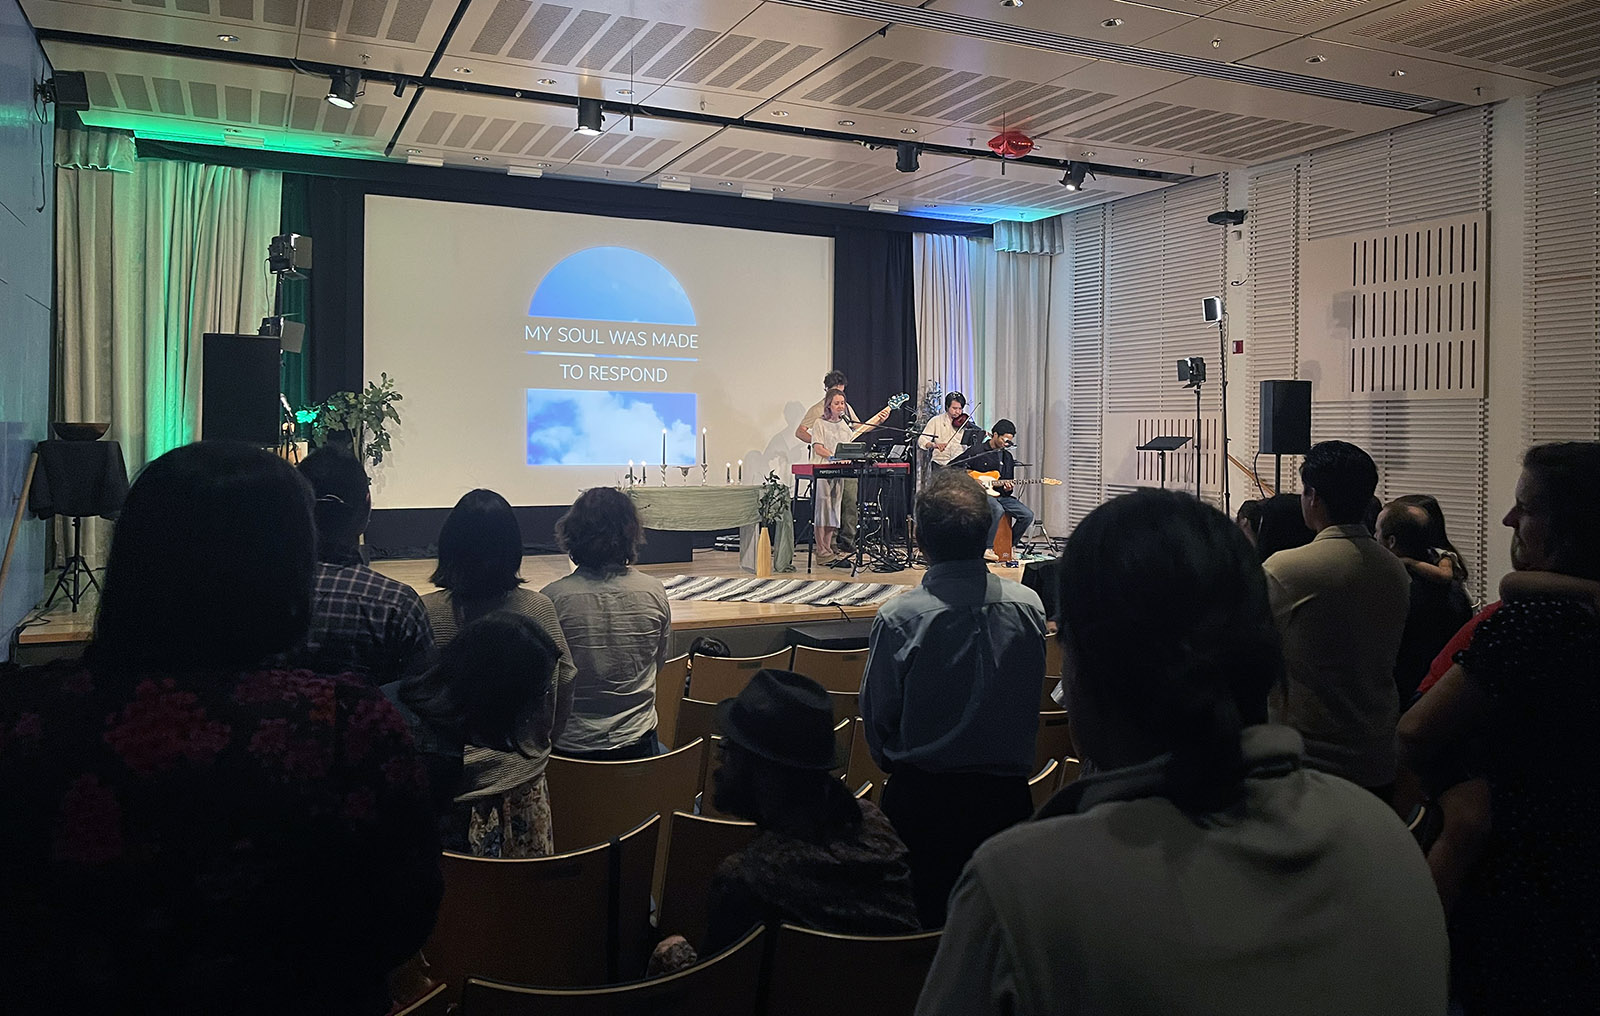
(670, 680)
(1054, 739)
(834, 669)
(635, 882)
(843, 735)
(695, 719)
(697, 845)
(1069, 772)
(861, 768)
(724, 985)
(846, 704)
(814, 972)
(715, 678)
(434, 1003)
(1046, 703)
(863, 791)
(496, 916)
(590, 802)
(1052, 657)
(1044, 784)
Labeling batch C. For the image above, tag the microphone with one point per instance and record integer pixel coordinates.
(283, 401)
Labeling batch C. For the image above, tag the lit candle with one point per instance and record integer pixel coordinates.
(730, 472)
(702, 446)
(741, 470)
(663, 447)
(630, 470)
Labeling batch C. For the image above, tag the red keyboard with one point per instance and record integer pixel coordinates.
(831, 468)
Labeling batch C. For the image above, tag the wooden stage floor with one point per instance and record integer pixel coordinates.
(60, 626)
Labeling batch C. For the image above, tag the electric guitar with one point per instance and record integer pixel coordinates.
(992, 478)
(894, 403)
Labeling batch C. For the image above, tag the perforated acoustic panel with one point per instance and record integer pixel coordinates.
(1231, 136)
(1398, 313)
(1555, 37)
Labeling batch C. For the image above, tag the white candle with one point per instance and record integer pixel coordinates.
(741, 470)
(702, 446)
(663, 447)
(730, 472)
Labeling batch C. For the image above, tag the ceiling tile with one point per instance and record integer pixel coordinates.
(269, 28)
(1377, 69)
(1080, 19)
(1300, 17)
(396, 36)
(1211, 39)
(1547, 40)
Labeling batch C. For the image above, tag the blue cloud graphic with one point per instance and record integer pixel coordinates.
(612, 284)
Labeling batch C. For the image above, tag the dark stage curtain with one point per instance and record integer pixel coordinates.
(874, 316)
(336, 213)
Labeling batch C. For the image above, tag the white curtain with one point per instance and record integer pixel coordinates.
(1045, 236)
(149, 257)
(944, 311)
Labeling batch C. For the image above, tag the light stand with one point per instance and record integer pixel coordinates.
(1192, 372)
(1214, 312)
(288, 257)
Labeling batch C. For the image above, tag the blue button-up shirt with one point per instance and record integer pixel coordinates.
(953, 675)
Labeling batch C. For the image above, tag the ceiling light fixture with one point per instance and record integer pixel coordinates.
(1111, 23)
(227, 38)
(845, 123)
(545, 81)
(1316, 58)
(906, 157)
(413, 151)
(1085, 155)
(424, 160)
(462, 70)
(532, 172)
(884, 205)
(908, 130)
(672, 183)
(591, 118)
(757, 193)
(480, 158)
(1397, 73)
(624, 91)
(780, 112)
(1072, 179)
(1011, 3)
(344, 88)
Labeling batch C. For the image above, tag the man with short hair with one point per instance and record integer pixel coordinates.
(943, 435)
(1437, 609)
(1340, 605)
(361, 622)
(950, 697)
(993, 456)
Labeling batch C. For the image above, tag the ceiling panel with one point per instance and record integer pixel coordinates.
(1211, 39)
(1324, 58)
(980, 189)
(1547, 40)
(795, 167)
(219, 102)
(262, 26)
(1301, 17)
(492, 132)
(1080, 19)
(399, 36)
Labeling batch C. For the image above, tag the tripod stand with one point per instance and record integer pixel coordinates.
(75, 568)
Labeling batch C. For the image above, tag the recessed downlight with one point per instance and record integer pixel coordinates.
(413, 151)
(624, 91)
(1397, 73)
(462, 70)
(545, 81)
(1111, 23)
(227, 38)
(908, 130)
(1316, 58)
(845, 123)
(480, 158)
(1085, 155)
(780, 113)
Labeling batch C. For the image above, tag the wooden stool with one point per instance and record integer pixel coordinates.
(1002, 540)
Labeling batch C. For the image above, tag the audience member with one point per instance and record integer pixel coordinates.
(482, 717)
(1340, 605)
(950, 697)
(185, 829)
(618, 626)
(1282, 527)
(1523, 928)
(480, 553)
(821, 858)
(1206, 868)
(1436, 611)
(1441, 562)
(361, 621)
(1248, 519)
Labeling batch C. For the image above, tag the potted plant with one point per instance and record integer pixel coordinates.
(772, 506)
(359, 420)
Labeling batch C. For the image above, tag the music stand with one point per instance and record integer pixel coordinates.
(1161, 446)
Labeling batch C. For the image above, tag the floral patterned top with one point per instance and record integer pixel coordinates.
(241, 843)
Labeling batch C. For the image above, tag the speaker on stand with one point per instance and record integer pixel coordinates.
(1285, 427)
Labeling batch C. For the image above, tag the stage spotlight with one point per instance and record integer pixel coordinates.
(344, 88)
(591, 119)
(1072, 179)
(906, 157)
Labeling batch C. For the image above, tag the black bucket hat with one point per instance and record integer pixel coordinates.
(783, 717)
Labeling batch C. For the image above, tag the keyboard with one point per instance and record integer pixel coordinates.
(851, 467)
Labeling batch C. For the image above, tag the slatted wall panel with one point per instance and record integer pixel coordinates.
(1272, 345)
(1086, 367)
(1561, 265)
(1422, 173)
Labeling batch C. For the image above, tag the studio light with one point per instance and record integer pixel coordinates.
(344, 87)
(1072, 179)
(906, 157)
(591, 120)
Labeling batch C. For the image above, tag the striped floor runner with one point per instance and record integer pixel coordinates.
(815, 593)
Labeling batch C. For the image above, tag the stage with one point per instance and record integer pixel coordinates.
(749, 628)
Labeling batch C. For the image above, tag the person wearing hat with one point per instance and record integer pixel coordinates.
(821, 858)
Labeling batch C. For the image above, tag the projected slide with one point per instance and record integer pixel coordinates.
(567, 428)
(541, 352)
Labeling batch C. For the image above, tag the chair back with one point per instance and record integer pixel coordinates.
(843, 736)
(814, 972)
(591, 802)
(434, 1003)
(634, 880)
(497, 914)
(697, 845)
(834, 669)
(1054, 740)
(715, 678)
(863, 792)
(695, 719)
(1052, 657)
(724, 985)
(670, 681)
(1046, 703)
(861, 768)
(846, 704)
(1044, 784)
(1069, 772)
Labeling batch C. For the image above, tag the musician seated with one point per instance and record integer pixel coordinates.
(993, 465)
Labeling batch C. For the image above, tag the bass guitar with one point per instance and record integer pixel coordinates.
(992, 478)
(883, 414)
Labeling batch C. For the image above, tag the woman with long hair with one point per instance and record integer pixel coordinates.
(1204, 866)
(827, 434)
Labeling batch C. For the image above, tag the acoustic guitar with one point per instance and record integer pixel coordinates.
(992, 477)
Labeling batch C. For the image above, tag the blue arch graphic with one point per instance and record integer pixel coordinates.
(612, 284)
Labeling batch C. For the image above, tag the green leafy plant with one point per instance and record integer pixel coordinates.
(774, 499)
(365, 416)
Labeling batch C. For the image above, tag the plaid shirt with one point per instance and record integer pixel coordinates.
(364, 623)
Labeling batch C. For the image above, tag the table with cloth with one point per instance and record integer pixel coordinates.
(704, 509)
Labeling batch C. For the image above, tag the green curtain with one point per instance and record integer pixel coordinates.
(150, 255)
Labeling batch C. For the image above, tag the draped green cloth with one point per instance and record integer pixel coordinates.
(700, 509)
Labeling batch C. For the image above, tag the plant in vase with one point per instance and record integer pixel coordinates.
(359, 420)
(773, 503)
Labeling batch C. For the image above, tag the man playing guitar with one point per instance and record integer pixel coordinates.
(835, 379)
(994, 457)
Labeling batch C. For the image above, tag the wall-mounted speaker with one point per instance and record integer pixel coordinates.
(1213, 309)
(1285, 418)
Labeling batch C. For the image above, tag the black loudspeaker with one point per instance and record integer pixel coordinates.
(1285, 418)
(239, 389)
(1211, 307)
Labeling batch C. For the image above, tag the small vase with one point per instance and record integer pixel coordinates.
(763, 553)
